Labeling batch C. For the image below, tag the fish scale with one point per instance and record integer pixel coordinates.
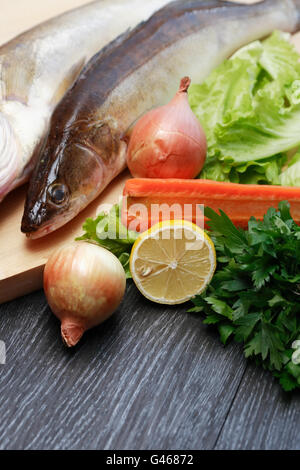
(38, 66)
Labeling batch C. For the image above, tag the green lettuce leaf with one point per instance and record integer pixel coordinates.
(108, 231)
(249, 108)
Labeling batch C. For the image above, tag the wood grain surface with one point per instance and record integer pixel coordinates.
(151, 377)
(262, 415)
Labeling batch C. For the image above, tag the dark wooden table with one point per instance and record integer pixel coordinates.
(151, 377)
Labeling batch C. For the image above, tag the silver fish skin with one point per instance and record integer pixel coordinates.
(85, 147)
(37, 68)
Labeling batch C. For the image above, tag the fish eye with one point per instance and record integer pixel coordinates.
(58, 193)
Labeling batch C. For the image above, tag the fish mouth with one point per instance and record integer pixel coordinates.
(47, 228)
(9, 157)
(41, 232)
(40, 223)
(34, 231)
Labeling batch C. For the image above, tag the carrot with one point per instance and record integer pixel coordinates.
(146, 201)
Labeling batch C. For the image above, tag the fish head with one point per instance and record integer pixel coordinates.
(71, 171)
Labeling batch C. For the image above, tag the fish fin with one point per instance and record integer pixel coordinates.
(15, 79)
(68, 81)
(127, 134)
(28, 169)
(10, 158)
(126, 138)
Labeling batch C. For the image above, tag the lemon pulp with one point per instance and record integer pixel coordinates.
(172, 261)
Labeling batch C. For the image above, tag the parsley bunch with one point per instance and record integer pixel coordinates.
(255, 293)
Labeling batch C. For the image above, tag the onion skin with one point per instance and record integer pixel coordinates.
(168, 142)
(84, 284)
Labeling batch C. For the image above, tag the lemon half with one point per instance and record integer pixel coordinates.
(172, 261)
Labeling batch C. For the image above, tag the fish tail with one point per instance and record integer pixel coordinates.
(290, 7)
(297, 8)
(9, 157)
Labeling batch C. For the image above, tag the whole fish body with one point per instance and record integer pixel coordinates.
(37, 67)
(86, 148)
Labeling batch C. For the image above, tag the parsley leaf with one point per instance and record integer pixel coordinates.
(254, 295)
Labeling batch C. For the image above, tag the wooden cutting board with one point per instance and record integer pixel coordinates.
(21, 260)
